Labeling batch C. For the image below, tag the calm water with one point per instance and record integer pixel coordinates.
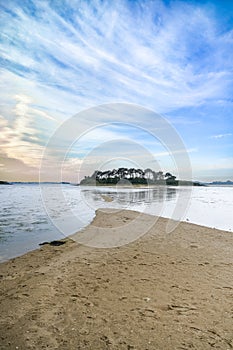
(30, 215)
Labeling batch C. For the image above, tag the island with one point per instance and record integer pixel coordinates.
(132, 176)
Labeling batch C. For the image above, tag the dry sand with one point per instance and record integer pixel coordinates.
(161, 292)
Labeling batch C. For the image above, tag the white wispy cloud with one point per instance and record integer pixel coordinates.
(19, 139)
(166, 153)
(132, 58)
(220, 136)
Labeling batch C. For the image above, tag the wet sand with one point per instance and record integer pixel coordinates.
(163, 291)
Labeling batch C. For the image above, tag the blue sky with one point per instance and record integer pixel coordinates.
(59, 58)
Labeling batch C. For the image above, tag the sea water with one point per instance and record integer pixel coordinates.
(31, 214)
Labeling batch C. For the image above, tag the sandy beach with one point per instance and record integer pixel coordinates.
(163, 291)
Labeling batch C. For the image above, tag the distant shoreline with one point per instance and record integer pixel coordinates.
(105, 185)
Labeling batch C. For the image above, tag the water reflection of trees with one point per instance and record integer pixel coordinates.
(159, 194)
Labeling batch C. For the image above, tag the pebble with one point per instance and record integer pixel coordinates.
(146, 299)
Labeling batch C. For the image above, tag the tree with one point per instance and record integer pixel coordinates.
(149, 174)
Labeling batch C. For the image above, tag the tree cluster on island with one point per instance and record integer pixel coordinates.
(133, 176)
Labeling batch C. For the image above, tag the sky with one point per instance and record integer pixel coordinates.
(163, 71)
